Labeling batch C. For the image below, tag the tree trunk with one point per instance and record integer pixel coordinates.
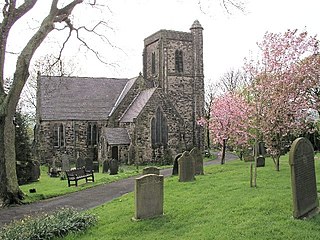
(9, 188)
(278, 163)
(223, 154)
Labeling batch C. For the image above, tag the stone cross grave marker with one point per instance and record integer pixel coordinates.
(151, 170)
(65, 164)
(198, 160)
(186, 168)
(303, 179)
(148, 196)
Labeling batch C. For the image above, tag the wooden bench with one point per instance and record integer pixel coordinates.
(80, 173)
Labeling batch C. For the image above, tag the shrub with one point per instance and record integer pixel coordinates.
(48, 226)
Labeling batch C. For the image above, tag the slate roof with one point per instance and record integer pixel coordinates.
(137, 105)
(117, 136)
(78, 98)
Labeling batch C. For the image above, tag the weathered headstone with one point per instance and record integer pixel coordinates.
(303, 179)
(35, 171)
(80, 162)
(105, 166)
(175, 168)
(260, 149)
(186, 168)
(114, 167)
(96, 166)
(260, 161)
(89, 164)
(198, 160)
(151, 170)
(65, 164)
(148, 196)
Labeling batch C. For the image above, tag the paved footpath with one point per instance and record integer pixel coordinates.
(82, 200)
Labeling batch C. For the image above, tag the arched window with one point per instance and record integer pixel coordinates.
(92, 134)
(153, 63)
(59, 135)
(179, 61)
(159, 130)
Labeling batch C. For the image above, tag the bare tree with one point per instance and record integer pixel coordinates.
(228, 5)
(231, 81)
(210, 94)
(60, 13)
(47, 65)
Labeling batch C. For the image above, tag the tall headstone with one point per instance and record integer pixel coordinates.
(198, 160)
(151, 170)
(35, 171)
(114, 166)
(89, 164)
(105, 166)
(65, 163)
(95, 166)
(148, 196)
(186, 168)
(303, 179)
(175, 168)
(259, 153)
(80, 163)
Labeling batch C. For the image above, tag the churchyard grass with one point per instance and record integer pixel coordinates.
(218, 205)
(48, 187)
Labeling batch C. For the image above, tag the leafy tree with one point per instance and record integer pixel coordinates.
(285, 77)
(12, 11)
(230, 121)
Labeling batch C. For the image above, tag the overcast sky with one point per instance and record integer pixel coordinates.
(227, 38)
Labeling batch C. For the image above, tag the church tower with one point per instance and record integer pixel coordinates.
(173, 62)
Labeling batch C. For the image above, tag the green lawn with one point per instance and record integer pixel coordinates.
(48, 187)
(218, 205)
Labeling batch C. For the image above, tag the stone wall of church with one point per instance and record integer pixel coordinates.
(144, 153)
(75, 141)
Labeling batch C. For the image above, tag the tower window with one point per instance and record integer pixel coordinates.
(153, 63)
(179, 61)
(92, 134)
(59, 135)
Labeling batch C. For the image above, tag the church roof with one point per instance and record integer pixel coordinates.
(78, 98)
(137, 105)
(117, 136)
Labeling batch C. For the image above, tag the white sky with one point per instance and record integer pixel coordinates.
(227, 38)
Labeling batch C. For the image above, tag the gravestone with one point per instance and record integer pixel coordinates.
(175, 168)
(65, 164)
(303, 179)
(151, 170)
(80, 162)
(260, 161)
(260, 152)
(105, 166)
(35, 171)
(114, 167)
(148, 196)
(186, 168)
(198, 160)
(96, 166)
(89, 164)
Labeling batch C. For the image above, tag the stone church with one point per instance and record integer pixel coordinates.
(149, 118)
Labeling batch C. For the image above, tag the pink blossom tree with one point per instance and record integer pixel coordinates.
(282, 91)
(229, 121)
